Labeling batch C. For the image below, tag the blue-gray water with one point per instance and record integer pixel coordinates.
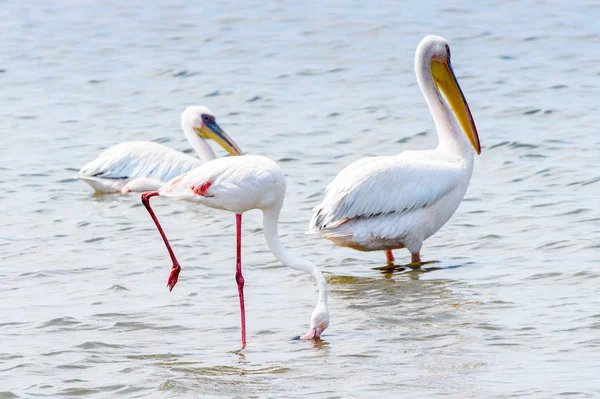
(512, 309)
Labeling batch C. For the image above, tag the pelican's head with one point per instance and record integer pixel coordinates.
(319, 321)
(203, 122)
(433, 53)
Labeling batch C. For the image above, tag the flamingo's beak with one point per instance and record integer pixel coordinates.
(314, 333)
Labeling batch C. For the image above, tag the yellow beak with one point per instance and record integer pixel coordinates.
(214, 132)
(446, 81)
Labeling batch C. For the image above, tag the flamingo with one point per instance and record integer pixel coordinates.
(144, 165)
(239, 184)
(391, 202)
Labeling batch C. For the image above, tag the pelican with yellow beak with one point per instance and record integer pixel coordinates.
(145, 166)
(391, 202)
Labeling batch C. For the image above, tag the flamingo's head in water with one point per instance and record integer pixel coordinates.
(319, 321)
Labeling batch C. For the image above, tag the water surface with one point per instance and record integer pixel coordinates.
(511, 309)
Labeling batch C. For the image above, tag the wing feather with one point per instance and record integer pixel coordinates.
(383, 185)
(135, 159)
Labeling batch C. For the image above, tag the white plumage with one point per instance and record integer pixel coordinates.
(240, 184)
(139, 165)
(144, 165)
(390, 202)
(236, 184)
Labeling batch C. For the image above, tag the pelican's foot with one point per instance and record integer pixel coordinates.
(173, 276)
(417, 265)
(415, 258)
(389, 256)
(389, 268)
(401, 268)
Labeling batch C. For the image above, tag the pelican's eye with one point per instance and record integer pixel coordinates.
(322, 325)
(207, 118)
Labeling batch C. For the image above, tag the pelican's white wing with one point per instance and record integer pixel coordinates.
(385, 185)
(135, 159)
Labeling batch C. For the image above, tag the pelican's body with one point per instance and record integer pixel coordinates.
(136, 166)
(239, 184)
(392, 202)
(144, 165)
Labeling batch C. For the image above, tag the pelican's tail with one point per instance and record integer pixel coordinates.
(102, 185)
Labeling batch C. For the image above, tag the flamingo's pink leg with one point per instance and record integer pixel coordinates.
(176, 268)
(238, 275)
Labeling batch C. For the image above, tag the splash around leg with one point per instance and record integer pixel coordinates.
(389, 256)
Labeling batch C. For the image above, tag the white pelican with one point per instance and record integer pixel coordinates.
(391, 202)
(239, 184)
(145, 165)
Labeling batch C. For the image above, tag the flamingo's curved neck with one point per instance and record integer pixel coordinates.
(204, 151)
(270, 221)
(451, 135)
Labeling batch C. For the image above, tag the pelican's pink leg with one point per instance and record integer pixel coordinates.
(176, 268)
(238, 275)
(389, 256)
(415, 258)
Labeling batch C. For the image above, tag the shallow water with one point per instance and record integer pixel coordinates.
(511, 309)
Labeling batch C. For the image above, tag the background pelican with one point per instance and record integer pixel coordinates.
(239, 184)
(390, 202)
(145, 165)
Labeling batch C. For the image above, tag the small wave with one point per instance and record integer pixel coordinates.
(73, 367)
(61, 321)
(287, 159)
(117, 287)
(110, 315)
(98, 345)
(532, 111)
(95, 239)
(591, 181)
(133, 326)
(14, 323)
(512, 144)
(54, 353)
(79, 391)
(184, 74)
(577, 211)
(541, 276)
(229, 370)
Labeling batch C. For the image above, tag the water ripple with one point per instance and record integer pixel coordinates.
(512, 300)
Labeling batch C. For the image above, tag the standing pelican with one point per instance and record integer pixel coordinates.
(391, 202)
(239, 184)
(145, 165)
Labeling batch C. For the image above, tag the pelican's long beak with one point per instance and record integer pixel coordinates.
(213, 131)
(446, 80)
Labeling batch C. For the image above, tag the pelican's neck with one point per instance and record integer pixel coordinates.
(270, 222)
(451, 136)
(204, 151)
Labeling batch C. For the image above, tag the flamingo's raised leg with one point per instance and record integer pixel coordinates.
(176, 268)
